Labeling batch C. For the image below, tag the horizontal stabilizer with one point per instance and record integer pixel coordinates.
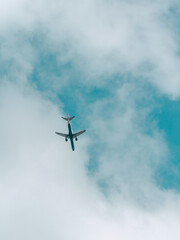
(62, 134)
(68, 119)
(78, 133)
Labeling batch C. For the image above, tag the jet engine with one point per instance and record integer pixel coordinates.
(66, 139)
(76, 138)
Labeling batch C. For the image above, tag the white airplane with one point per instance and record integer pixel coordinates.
(71, 135)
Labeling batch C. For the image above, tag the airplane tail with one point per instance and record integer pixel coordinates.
(68, 118)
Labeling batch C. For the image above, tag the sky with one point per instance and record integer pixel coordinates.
(115, 65)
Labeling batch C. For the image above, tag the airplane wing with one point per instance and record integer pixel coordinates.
(62, 134)
(78, 133)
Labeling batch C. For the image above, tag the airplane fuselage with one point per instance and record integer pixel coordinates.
(71, 136)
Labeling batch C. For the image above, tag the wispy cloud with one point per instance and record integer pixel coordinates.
(106, 37)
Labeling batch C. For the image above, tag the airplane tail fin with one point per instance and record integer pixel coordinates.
(68, 118)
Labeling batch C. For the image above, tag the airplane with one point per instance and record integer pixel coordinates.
(71, 135)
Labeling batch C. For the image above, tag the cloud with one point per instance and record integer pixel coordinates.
(105, 38)
(41, 180)
(130, 146)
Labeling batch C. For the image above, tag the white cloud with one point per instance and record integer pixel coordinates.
(118, 37)
(105, 37)
(131, 146)
(41, 180)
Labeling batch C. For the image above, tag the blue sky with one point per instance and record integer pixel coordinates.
(115, 66)
(168, 116)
